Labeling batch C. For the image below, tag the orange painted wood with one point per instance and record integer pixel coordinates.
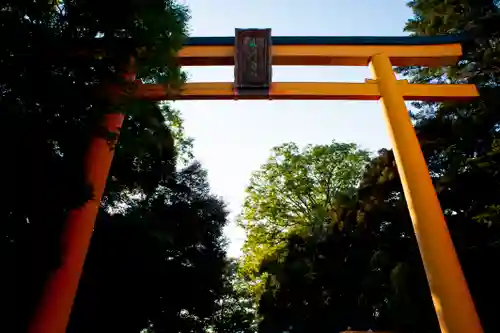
(310, 91)
(329, 55)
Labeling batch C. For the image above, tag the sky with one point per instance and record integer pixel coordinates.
(234, 138)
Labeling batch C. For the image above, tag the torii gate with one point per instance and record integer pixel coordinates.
(253, 52)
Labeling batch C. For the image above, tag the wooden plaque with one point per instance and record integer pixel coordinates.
(252, 63)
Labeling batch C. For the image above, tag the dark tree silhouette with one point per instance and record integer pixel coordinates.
(157, 258)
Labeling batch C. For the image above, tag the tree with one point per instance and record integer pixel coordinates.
(355, 272)
(366, 272)
(158, 265)
(296, 189)
(57, 58)
(461, 141)
(235, 309)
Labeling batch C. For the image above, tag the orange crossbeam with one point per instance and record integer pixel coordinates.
(329, 55)
(309, 91)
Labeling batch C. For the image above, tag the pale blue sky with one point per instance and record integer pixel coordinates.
(232, 139)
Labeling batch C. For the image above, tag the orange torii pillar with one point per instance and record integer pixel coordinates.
(54, 308)
(452, 301)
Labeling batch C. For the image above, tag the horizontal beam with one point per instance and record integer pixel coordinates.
(338, 40)
(311, 91)
(320, 51)
(328, 55)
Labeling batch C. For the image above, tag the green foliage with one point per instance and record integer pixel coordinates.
(365, 271)
(294, 191)
(460, 141)
(235, 311)
(477, 19)
(357, 272)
